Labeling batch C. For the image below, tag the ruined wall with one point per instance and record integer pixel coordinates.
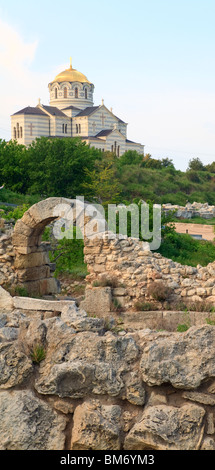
(136, 268)
(97, 389)
(128, 261)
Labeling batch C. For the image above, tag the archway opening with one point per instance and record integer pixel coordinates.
(38, 262)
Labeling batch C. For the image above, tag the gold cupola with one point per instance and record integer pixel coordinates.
(71, 75)
(71, 88)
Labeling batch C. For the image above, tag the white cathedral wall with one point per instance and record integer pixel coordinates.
(80, 121)
(33, 126)
(120, 141)
(59, 122)
(135, 146)
(18, 119)
(101, 119)
(81, 102)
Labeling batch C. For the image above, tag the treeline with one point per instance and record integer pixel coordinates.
(69, 167)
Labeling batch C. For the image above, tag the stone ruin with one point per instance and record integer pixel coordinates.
(127, 265)
(190, 210)
(98, 386)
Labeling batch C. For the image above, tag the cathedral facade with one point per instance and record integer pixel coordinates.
(71, 113)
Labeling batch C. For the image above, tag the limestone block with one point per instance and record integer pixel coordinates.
(31, 260)
(185, 362)
(27, 423)
(33, 274)
(15, 366)
(119, 291)
(42, 286)
(27, 303)
(21, 240)
(203, 398)
(165, 427)
(22, 228)
(201, 291)
(208, 444)
(6, 300)
(97, 300)
(96, 426)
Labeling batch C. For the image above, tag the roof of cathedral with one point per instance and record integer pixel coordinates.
(31, 110)
(87, 111)
(71, 75)
(71, 107)
(104, 132)
(53, 110)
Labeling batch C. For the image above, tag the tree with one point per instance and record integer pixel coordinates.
(56, 167)
(130, 157)
(196, 165)
(101, 184)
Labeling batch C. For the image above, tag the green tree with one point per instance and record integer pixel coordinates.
(101, 184)
(56, 167)
(196, 165)
(13, 170)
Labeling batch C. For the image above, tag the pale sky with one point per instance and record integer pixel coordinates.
(153, 61)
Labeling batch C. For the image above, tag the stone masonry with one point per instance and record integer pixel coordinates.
(24, 260)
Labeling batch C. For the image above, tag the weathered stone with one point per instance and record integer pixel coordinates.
(96, 427)
(135, 392)
(210, 424)
(208, 444)
(97, 300)
(6, 300)
(71, 370)
(15, 366)
(165, 427)
(27, 423)
(31, 260)
(27, 303)
(79, 320)
(203, 398)
(185, 360)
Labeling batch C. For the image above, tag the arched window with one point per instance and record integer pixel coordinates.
(65, 128)
(85, 93)
(76, 92)
(17, 126)
(79, 128)
(76, 128)
(21, 132)
(55, 93)
(65, 92)
(14, 133)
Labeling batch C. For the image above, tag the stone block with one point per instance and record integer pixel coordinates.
(33, 274)
(42, 286)
(6, 300)
(97, 300)
(31, 260)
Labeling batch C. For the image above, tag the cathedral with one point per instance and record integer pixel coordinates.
(71, 113)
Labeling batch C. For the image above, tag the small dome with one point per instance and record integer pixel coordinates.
(71, 75)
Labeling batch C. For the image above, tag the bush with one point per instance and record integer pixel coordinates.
(144, 306)
(159, 291)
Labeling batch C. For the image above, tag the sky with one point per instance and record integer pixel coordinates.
(152, 61)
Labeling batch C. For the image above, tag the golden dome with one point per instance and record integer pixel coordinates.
(71, 75)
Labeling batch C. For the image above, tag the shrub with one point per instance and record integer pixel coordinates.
(159, 291)
(38, 353)
(106, 282)
(144, 306)
(182, 328)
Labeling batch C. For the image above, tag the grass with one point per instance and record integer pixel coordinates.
(195, 220)
(38, 353)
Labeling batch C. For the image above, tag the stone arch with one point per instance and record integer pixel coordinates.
(31, 255)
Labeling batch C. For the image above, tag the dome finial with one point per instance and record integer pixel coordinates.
(71, 62)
